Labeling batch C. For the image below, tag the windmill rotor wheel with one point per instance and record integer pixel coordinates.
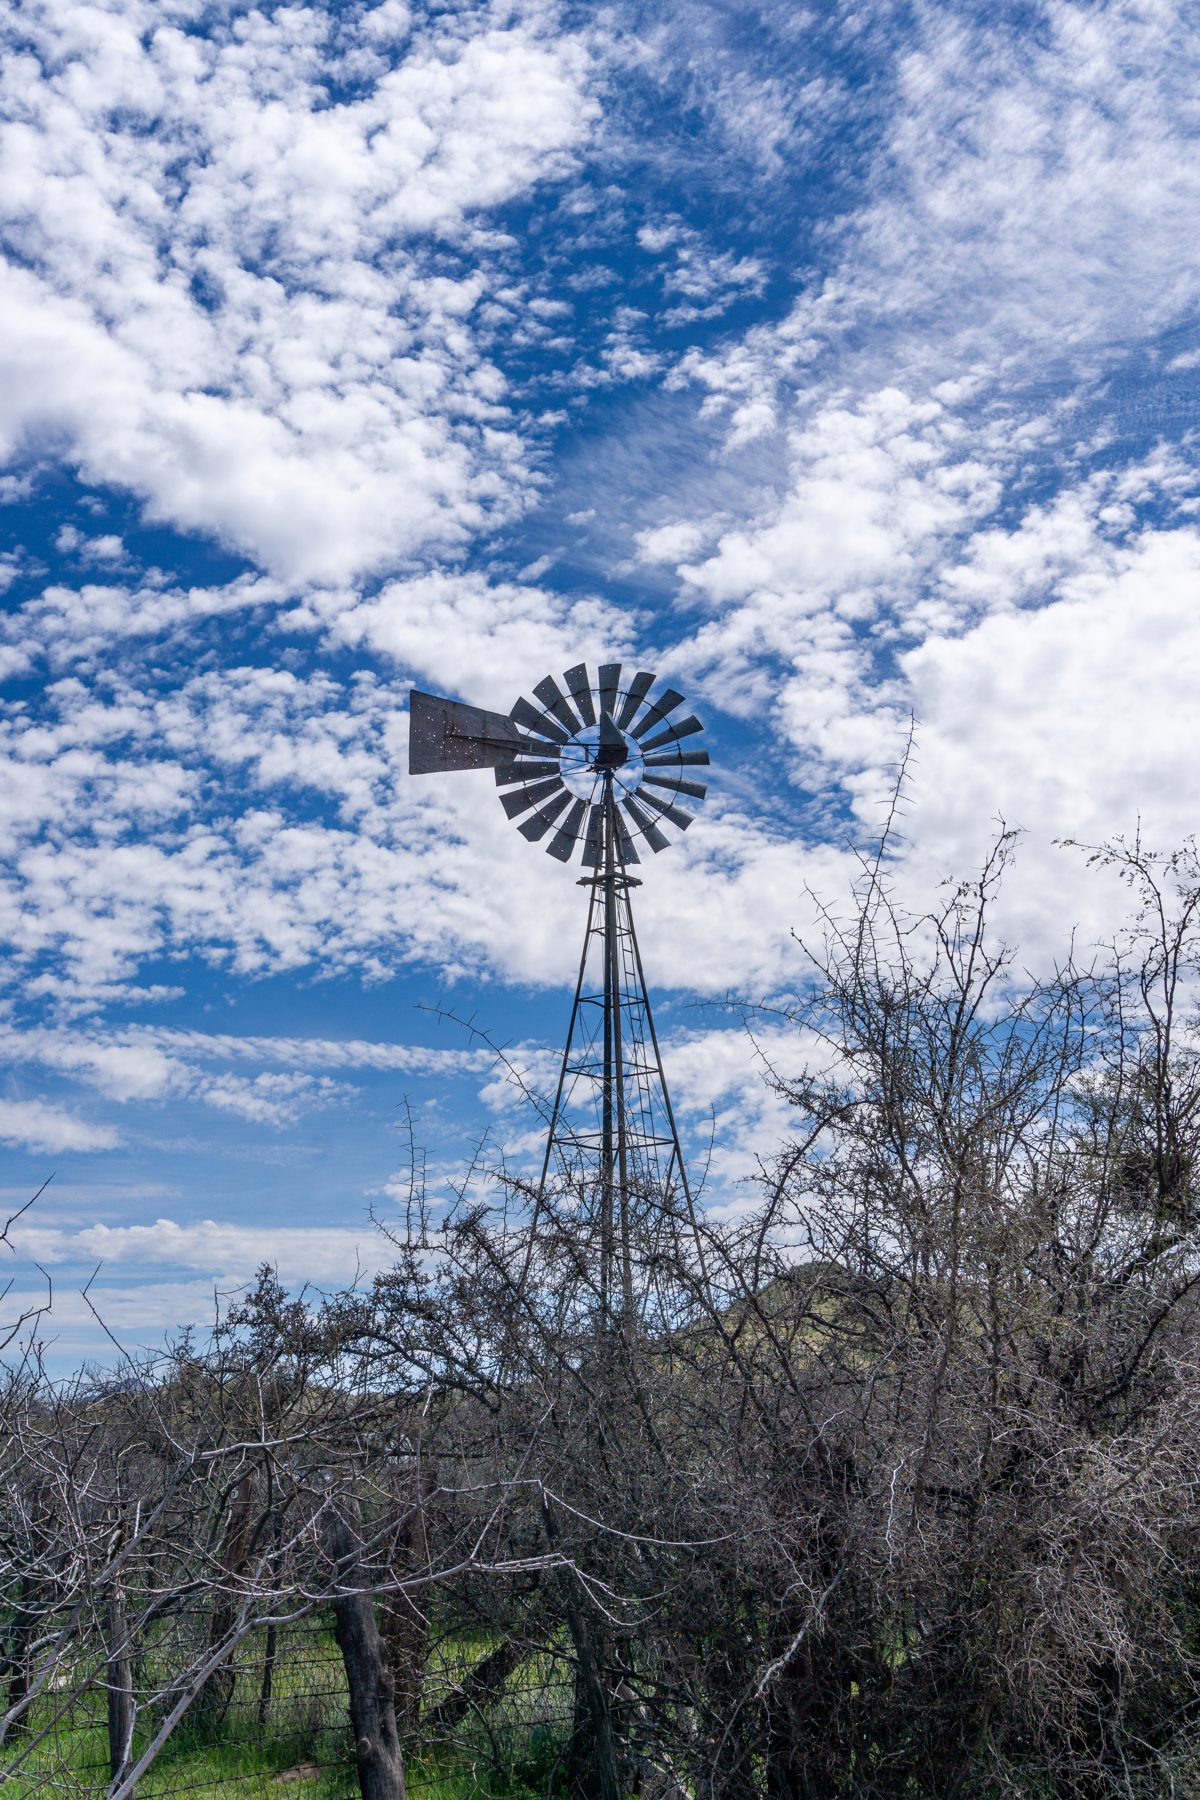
(578, 737)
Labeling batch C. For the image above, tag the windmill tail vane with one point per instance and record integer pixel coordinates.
(599, 767)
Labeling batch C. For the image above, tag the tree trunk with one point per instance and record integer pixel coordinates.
(480, 1687)
(372, 1690)
(119, 1677)
(20, 1632)
(212, 1702)
(592, 1756)
(402, 1624)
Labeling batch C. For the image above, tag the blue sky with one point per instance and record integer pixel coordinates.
(839, 364)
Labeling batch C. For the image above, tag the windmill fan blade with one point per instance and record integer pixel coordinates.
(685, 728)
(626, 848)
(580, 691)
(610, 681)
(675, 814)
(674, 759)
(555, 701)
(639, 687)
(524, 798)
(524, 771)
(444, 734)
(566, 837)
(540, 823)
(656, 839)
(591, 846)
(676, 784)
(533, 720)
(657, 712)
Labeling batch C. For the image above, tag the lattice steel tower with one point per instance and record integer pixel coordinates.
(599, 766)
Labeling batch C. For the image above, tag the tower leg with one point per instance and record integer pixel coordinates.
(556, 1112)
(612, 1061)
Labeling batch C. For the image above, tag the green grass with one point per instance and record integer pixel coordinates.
(302, 1752)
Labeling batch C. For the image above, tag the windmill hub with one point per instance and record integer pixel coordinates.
(590, 751)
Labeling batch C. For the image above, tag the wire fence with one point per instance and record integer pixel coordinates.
(483, 1717)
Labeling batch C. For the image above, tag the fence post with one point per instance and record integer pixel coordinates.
(369, 1679)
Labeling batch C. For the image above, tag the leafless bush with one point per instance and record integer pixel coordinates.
(888, 1487)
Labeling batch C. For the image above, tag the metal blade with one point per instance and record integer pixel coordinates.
(591, 847)
(610, 682)
(540, 823)
(553, 698)
(626, 848)
(656, 839)
(674, 759)
(533, 720)
(524, 771)
(685, 728)
(676, 814)
(677, 785)
(445, 734)
(524, 798)
(658, 710)
(563, 843)
(639, 687)
(581, 692)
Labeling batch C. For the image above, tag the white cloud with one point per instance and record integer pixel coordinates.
(108, 548)
(147, 1066)
(223, 1251)
(871, 487)
(231, 314)
(1073, 720)
(484, 639)
(77, 628)
(960, 536)
(388, 23)
(708, 280)
(341, 1053)
(671, 543)
(139, 822)
(36, 1125)
(1037, 186)
(1025, 222)
(276, 1097)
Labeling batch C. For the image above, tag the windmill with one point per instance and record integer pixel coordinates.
(598, 768)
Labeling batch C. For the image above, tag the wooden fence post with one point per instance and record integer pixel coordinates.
(369, 1678)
